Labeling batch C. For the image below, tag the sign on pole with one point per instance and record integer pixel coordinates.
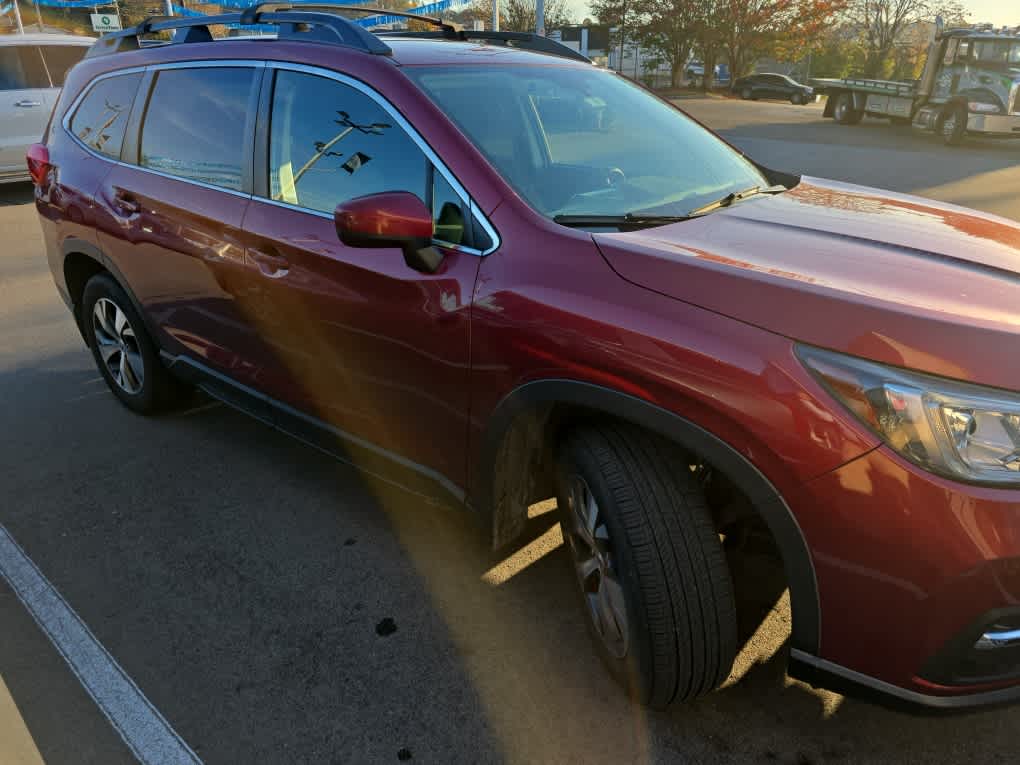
(105, 22)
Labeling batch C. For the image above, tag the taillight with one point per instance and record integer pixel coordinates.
(38, 158)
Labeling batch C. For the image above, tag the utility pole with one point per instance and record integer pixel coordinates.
(169, 8)
(17, 18)
(540, 18)
(623, 34)
(495, 15)
(38, 15)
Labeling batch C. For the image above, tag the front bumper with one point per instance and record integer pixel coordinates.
(910, 567)
(826, 674)
(994, 124)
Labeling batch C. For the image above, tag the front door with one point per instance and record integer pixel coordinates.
(25, 104)
(376, 351)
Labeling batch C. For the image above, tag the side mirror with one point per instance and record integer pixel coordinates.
(390, 219)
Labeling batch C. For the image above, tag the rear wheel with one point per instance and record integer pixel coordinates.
(952, 125)
(124, 353)
(652, 575)
(844, 112)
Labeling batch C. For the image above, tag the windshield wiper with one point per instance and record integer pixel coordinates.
(734, 196)
(629, 219)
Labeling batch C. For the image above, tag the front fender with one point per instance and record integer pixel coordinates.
(520, 416)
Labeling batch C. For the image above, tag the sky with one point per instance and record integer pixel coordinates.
(993, 11)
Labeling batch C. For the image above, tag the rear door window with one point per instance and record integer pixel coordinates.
(100, 119)
(60, 59)
(21, 68)
(195, 124)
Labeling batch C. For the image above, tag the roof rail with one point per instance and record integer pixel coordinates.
(343, 31)
(294, 20)
(253, 11)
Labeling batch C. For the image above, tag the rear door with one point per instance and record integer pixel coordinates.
(24, 104)
(169, 214)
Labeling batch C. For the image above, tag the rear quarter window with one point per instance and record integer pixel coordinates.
(101, 117)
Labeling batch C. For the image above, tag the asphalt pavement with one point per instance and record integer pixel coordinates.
(276, 607)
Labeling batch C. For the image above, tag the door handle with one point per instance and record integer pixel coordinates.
(27, 103)
(126, 204)
(270, 264)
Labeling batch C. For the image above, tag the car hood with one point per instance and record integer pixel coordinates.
(891, 277)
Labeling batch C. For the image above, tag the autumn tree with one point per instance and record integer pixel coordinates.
(884, 24)
(521, 15)
(666, 30)
(751, 29)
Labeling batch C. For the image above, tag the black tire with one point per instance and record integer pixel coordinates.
(663, 551)
(797, 99)
(844, 112)
(952, 124)
(157, 390)
(747, 94)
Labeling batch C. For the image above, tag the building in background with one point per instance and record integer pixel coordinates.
(595, 42)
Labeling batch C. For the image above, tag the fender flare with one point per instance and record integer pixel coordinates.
(75, 246)
(528, 402)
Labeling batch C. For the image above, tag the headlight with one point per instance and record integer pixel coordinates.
(983, 107)
(962, 431)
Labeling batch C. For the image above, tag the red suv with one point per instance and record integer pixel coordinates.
(493, 273)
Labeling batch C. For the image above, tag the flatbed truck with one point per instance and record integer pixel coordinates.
(970, 85)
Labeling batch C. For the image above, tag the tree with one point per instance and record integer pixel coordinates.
(520, 15)
(882, 24)
(665, 29)
(750, 29)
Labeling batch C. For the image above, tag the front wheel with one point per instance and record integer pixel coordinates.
(747, 94)
(953, 124)
(653, 579)
(797, 99)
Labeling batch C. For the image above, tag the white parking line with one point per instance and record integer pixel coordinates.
(145, 731)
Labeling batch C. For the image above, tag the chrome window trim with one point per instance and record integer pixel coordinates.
(422, 144)
(65, 123)
(330, 74)
(192, 181)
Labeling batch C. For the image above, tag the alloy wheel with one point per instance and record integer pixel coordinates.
(595, 566)
(117, 344)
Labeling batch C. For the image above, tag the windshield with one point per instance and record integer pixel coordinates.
(1002, 52)
(575, 141)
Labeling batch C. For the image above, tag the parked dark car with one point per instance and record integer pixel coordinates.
(401, 250)
(773, 86)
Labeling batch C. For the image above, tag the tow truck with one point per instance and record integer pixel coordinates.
(970, 84)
